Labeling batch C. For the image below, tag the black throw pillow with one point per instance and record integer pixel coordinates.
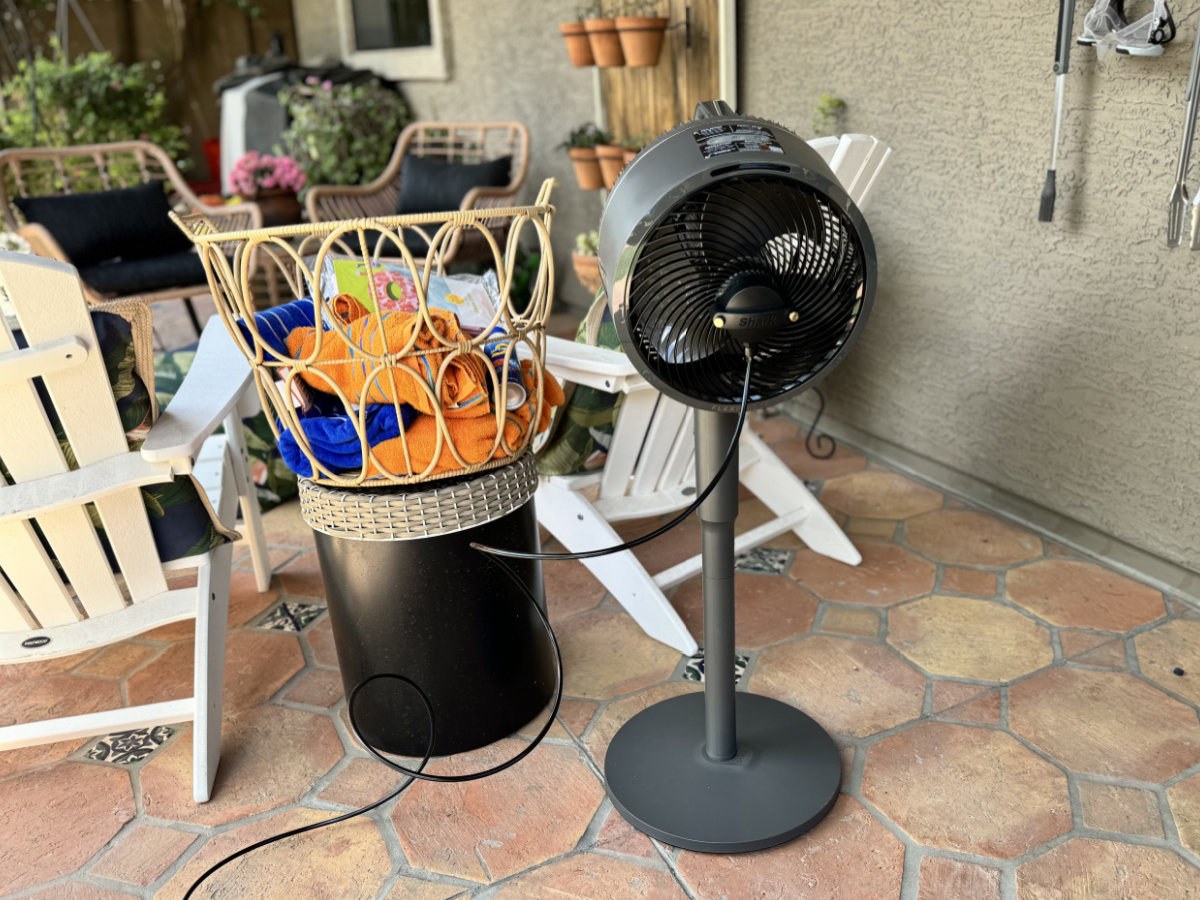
(429, 184)
(126, 223)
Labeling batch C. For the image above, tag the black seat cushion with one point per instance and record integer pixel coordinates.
(141, 276)
(126, 223)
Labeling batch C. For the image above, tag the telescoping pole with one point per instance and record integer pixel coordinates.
(1062, 62)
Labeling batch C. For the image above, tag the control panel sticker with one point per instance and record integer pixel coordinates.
(717, 140)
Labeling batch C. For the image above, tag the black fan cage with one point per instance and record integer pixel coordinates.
(780, 232)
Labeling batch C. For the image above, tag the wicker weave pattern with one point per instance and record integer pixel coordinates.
(226, 255)
(363, 516)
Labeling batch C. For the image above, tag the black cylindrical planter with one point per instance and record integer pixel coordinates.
(444, 615)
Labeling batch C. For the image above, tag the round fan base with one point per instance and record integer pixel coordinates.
(783, 781)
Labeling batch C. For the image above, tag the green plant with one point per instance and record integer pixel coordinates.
(637, 142)
(586, 136)
(343, 134)
(524, 277)
(93, 100)
(588, 9)
(826, 115)
(587, 243)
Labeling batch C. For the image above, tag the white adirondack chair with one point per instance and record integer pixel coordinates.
(649, 470)
(42, 617)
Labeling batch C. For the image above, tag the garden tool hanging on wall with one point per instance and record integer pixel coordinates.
(1177, 205)
(1062, 61)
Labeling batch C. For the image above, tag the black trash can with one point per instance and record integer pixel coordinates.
(409, 596)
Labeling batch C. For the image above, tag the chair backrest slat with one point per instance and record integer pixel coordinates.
(14, 616)
(679, 460)
(669, 417)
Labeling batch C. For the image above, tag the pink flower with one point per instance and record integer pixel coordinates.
(311, 79)
(327, 84)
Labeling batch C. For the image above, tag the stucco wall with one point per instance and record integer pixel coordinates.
(1058, 361)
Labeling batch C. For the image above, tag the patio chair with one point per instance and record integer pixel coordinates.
(59, 594)
(471, 143)
(30, 173)
(649, 469)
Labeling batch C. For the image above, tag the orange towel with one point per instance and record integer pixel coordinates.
(472, 437)
(464, 389)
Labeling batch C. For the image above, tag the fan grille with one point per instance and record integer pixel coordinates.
(790, 236)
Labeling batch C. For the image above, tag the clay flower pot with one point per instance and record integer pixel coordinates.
(278, 207)
(587, 270)
(612, 161)
(587, 168)
(577, 44)
(606, 43)
(628, 156)
(641, 39)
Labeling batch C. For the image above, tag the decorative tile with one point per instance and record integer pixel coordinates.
(763, 561)
(693, 670)
(124, 748)
(290, 616)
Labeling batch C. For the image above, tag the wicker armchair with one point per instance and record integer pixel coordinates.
(45, 171)
(467, 142)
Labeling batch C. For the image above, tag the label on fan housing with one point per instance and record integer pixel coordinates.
(717, 140)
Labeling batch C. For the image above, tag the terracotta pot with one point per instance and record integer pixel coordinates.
(612, 161)
(629, 155)
(587, 270)
(641, 39)
(587, 168)
(577, 44)
(278, 207)
(606, 43)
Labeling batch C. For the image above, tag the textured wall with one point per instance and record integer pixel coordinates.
(1062, 361)
(507, 61)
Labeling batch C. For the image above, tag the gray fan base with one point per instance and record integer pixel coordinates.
(782, 782)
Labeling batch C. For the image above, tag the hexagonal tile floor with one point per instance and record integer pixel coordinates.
(1015, 724)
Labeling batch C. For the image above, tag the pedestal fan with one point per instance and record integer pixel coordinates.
(738, 272)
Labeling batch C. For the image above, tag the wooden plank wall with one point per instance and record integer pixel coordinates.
(652, 100)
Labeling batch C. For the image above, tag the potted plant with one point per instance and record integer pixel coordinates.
(603, 38)
(581, 147)
(611, 157)
(630, 147)
(641, 33)
(587, 263)
(575, 35)
(272, 182)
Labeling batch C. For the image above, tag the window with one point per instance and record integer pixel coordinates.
(391, 24)
(400, 39)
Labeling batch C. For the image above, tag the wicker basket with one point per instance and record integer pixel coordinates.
(229, 258)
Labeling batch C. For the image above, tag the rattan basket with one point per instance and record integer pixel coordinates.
(390, 368)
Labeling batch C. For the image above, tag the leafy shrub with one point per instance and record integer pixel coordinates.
(343, 134)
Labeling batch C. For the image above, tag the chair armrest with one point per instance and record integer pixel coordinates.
(240, 216)
(597, 367)
(214, 383)
(358, 201)
(479, 197)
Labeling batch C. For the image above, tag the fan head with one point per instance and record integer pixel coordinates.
(731, 231)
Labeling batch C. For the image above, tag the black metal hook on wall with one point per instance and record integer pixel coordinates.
(686, 25)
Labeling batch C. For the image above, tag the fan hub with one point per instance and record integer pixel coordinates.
(750, 309)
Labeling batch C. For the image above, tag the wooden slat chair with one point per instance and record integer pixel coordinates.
(466, 142)
(44, 614)
(650, 470)
(45, 171)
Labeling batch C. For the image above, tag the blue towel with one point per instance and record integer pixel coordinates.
(334, 439)
(275, 324)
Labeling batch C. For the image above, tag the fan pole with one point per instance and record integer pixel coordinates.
(714, 433)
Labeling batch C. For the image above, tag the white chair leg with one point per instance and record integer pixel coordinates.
(783, 492)
(577, 525)
(259, 554)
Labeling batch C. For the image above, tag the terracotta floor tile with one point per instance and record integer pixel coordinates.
(54, 820)
(302, 577)
(983, 711)
(851, 687)
(967, 538)
(348, 861)
(621, 711)
(879, 495)
(619, 836)
(362, 781)
(797, 458)
(284, 526)
(966, 638)
(1105, 723)
(493, 828)
(57, 696)
(606, 653)
(317, 687)
(773, 428)
(576, 713)
(663, 552)
(119, 659)
(769, 609)
(414, 889)
(1102, 870)
(1106, 656)
(13, 761)
(849, 856)
(1074, 643)
(73, 890)
(591, 875)
(245, 602)
(320, 639)
(968, 581)
(870, 529)
(951, 693)
(887, 574)
(1127, 810)
(968, 789)
(950, 879)
(1083, 595)
(277, 557)
(1184, 799)
(257, 664)
(26, 672)
(143, 854)
(1171, 647)
(250, 778)
(570, 588)
(850, 620)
